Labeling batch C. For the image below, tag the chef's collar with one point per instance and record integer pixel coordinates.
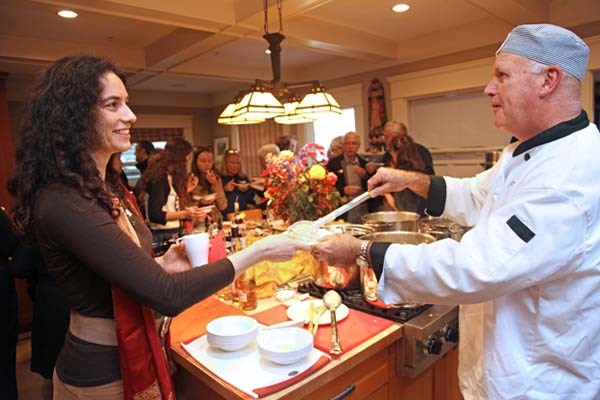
(556, 132)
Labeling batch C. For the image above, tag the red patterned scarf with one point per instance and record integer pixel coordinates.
(144, 369)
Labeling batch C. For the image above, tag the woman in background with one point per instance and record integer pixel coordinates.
(405, 156)
(209, 181)
(167, 183)
(235, 183)
(96, 244)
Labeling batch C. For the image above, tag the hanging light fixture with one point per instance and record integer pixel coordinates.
(228, 117)
(263, 100)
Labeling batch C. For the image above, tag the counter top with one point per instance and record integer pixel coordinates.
(192, 323)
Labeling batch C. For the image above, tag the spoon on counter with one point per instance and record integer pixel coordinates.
(332, 301)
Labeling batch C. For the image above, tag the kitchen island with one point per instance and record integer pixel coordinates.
(373, 367)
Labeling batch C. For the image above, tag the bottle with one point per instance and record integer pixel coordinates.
(246, 288)
(236, 245)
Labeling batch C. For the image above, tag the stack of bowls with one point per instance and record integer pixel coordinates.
(231, 333)
(285, 345)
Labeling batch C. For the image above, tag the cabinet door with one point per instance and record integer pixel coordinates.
(445, 378)
(370, 378)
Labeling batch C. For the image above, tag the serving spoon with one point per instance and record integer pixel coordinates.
(332, 300)
(308, 231)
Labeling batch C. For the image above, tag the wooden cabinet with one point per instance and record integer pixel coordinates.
(373, 367)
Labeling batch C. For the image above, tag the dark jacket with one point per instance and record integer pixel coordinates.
(335, 165)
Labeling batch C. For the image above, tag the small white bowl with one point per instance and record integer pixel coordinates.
(231, 333)
(285, 345)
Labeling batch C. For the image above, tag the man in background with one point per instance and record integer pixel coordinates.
(352, 175)
(143, 150)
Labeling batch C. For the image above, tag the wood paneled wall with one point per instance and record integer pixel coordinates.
(7, 159)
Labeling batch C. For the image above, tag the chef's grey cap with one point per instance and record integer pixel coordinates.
(549, 45)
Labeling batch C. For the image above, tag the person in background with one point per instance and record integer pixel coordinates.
(143, 151)
(527, 274)
(264, 151)
(395, 128)
(405, 156)
(9, 241)
(209, 181)
(50, 320)
(117, 165)
(258, 184)
(95, 242)
(235, 183)
(286, 142)
(336, 147)
(352, 175)
(167, 184)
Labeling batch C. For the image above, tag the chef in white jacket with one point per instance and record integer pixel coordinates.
(527, 275)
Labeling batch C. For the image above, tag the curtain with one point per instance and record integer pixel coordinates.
(252, 137)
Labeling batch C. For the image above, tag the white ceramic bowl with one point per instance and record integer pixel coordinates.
(285, 345)
(231, 333)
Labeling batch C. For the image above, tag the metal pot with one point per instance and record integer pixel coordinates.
(330, 277)
(385, 221)
(441, 228)
(368, 280)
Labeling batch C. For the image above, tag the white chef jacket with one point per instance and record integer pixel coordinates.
(529, 323)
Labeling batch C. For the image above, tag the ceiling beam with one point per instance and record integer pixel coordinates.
(515, 12)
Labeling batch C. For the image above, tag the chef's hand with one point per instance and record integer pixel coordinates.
(338, 250)
(174, 260)
(388, 180)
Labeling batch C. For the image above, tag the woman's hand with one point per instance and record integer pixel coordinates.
(279, 247)
(192, 183)
(174, 260)
(272, 248)
(337, 249)
(211, 177)
(352, 190)
(228, 187)
(194, 213)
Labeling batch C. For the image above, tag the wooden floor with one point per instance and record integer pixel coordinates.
(32, 386)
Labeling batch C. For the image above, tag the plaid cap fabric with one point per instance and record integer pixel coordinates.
(549, 45)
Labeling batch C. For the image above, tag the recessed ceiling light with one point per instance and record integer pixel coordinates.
(400, 8)
(67, 14)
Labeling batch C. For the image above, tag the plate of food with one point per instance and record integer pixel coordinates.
(241, 185)
(300, 310)
(207, 198)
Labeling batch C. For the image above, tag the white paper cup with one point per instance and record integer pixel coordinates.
(196, 248)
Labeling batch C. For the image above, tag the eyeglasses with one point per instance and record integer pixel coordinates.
(232, 151)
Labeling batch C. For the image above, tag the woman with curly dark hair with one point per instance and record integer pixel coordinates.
(96, 244)
(164, 190)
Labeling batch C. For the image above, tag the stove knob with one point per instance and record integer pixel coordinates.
(450, 333)
(433, 345)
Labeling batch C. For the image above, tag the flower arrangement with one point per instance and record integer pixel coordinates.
(299, 187)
